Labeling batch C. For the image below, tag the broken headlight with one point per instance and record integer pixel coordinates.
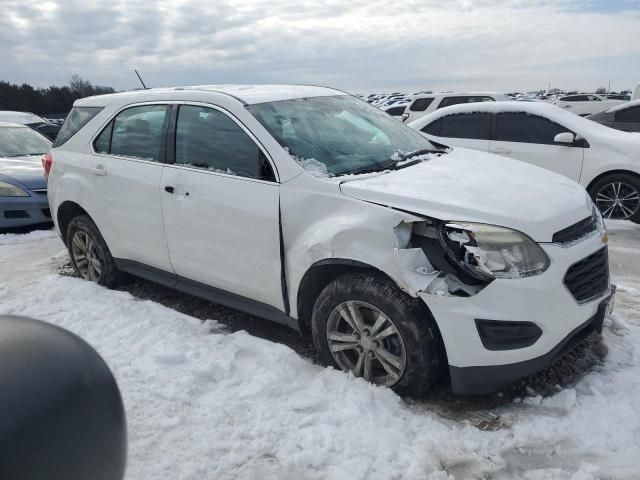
(489, 251)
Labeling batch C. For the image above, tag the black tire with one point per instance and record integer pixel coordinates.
(109, 276)
(420, 337)
(604, 188)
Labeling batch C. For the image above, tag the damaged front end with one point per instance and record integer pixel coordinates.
(463, 257)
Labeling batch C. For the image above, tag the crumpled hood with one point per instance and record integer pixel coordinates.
(467, 185)
(26, 170)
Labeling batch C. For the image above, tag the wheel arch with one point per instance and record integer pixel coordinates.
(611, 172)
(318, 276)
(67, 211)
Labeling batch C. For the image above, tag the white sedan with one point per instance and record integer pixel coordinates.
(585, 104)
(605, 161)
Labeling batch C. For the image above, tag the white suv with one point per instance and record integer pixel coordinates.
(309, 207)
(423, 104)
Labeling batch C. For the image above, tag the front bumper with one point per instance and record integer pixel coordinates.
(488, 379)
(24, 211)
(542, 300)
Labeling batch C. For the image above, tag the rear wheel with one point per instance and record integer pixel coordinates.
(363, 323)
(90, 256)
(618, 196)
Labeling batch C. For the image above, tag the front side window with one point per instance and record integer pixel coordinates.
(78, 117)
(207, 138)
(631, 115)
(342, 133)
(22, 141)
(525, 128)
(135, 132)
(421, 104)
(433, 128)
(466, 125)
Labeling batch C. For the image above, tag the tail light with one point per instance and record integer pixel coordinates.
(47, 161)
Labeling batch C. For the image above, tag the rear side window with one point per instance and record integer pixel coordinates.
(575, 98)
(466, 125)
(208, 139)
(78, 117)
(421, 104)
(631, 115)
(448, 101)
(135, 132)
(433, 128)
(525, 128)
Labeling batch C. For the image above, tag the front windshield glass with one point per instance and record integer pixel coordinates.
(343, 133)
(22, 141)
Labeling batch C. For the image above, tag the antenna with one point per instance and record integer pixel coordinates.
(140, 78)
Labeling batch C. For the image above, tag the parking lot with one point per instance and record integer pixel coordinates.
(203, 396)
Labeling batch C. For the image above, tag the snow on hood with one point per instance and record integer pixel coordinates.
(467, 185)
(27, 170)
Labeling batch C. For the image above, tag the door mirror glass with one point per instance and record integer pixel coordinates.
(565, 137)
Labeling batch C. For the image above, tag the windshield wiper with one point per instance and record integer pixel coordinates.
(416, 153)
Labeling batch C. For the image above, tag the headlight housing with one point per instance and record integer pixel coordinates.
(488, 251)
(9, 190)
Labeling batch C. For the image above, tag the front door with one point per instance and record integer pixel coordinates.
(220, 205)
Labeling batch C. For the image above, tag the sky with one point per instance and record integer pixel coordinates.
(361, 46)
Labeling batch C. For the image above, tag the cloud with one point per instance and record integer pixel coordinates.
(360, 45)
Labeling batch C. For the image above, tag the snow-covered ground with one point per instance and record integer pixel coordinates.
(203, 403)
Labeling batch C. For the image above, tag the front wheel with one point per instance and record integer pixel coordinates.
(364, 324)
(617, 196)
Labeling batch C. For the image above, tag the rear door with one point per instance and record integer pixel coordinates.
(220, 202)
(125, 170)
(469, 130)
(529, 138)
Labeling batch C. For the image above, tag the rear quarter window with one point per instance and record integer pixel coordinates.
(77, 118)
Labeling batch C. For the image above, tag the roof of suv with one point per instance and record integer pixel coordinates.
(459, 94)
(249, 94)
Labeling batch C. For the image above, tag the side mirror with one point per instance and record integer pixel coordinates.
(405, 116)
(566, 138)
(61, 414)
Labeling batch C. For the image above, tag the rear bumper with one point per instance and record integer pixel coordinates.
(24, 211)
(487, 379)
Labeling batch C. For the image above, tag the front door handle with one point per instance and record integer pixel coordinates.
(169, 189)
(99, 170)
(501, 150)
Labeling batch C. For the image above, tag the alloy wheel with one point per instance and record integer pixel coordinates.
(618, 200)
(365, 341)
(86, 257)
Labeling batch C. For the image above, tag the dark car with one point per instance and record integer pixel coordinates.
(45, 127)
(622, 117)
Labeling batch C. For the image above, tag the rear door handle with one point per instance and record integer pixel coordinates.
(500, 150)
(169, 189)
(99, 170)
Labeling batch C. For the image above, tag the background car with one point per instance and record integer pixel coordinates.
(395, 110)
(585, 104)
(622, 117)
(23, 187)
(424, 104)
(47, 128)
(604, 160)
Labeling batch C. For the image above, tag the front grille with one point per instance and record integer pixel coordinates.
(15, 214)
(46, 212)
(589, 278)
(575, 232)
